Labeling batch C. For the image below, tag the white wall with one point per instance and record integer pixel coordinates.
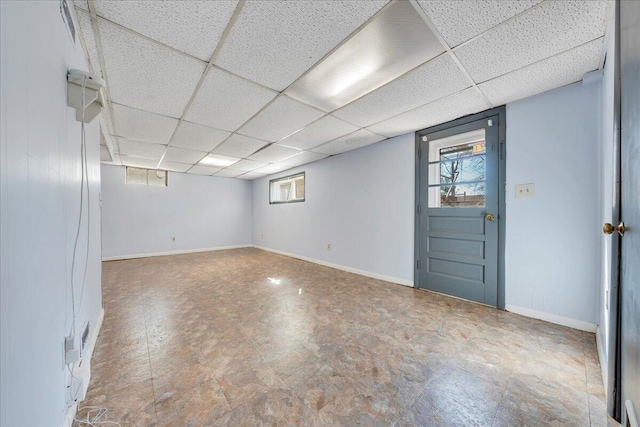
(360, 202)
(552, 240)
(39, 194)
(199, 211)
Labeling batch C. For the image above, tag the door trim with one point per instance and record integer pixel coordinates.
(502, 155)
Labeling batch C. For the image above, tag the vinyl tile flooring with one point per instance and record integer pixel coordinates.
(248, 337)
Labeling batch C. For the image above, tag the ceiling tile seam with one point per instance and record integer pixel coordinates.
(339, 45)
(103, 66)
(384, 138)
(129, 30)
(500, 24)
(543, 59)
(146, 111)
(448, 49)
(223, 38)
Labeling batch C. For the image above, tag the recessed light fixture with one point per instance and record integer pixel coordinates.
(218, 160)
(394, 42)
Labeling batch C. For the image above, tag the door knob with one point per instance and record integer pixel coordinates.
(490, 217)
(609, 229)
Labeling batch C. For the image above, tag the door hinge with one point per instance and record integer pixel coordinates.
(419, 209)
(419, 153)
(501, 150)
(418, 265)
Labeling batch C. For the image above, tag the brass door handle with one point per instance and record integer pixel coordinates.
(609, 229)
(490, 217)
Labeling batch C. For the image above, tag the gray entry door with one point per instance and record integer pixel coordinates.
(630, 207)
(458, 211)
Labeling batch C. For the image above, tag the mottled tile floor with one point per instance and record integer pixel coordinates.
(247, 337)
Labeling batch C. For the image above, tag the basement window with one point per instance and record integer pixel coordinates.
(289, 189)
(146, 177)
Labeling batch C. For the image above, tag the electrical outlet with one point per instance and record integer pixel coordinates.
(173, 239)
(328, 246)
(525, 191)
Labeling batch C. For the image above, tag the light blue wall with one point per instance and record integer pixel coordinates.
(199, 211)
(360, 202)
(39, 209)
(553, 240)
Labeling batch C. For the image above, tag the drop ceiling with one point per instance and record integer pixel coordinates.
(250, 85)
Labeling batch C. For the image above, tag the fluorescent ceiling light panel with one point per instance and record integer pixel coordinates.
(182, 155)
(247, 165)
(323, 130)
(218, 160)
(551, 28)
(462, 103)
(145, 150)
(147, 75)
(559, 70)
(229, 173)
(279, 119)
(225, 101)
(274, 153)
(239, 146)
(273, 42)
(395, 41)
(349, 142)
(193, 27)
(142, 125)
(198, 137)
(138, 162)
(174, 167)
(203, 170)
(436, 79)
(459, 20)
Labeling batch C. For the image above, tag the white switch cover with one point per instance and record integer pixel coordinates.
(525, 191)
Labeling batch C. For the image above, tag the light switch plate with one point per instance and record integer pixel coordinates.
(525, 191)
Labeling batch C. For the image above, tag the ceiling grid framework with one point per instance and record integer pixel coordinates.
(202, 87)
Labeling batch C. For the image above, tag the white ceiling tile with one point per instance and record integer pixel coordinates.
(203, 170)
(218, 160)
(349, 142)
(274, 153)
(145, 150)
(87, 33)
(239, 146)
(433, 80)
(560, 70)
(194, 27)
(251, 176)
(273, 168)
(546, 30)
(142, 125)
(323, 130)
(146, 75)
(460, 20)
(225, 101)
(198, 137)
(138, 162)
(105, 154)
(82, 4)
(303, 158)
(466, 102)
(274, 42)
(247, 165)
(229, 173)
(181, 155)
(174, 167)
(279, 119)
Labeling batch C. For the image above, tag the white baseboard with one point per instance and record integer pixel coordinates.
(83, 369)
(186, 251)
(391, 279)
(552, 318)
(604, 366)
